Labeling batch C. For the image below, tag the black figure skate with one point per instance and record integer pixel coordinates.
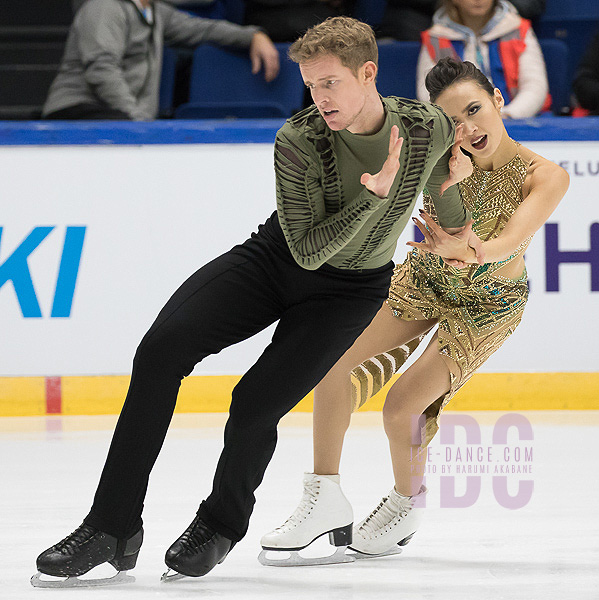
(80, 552)
(196, 552)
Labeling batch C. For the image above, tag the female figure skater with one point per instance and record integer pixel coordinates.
(475, 308)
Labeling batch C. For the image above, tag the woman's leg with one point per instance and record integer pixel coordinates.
(424, 382)
(397, 517)
(332, 396)
(323, 507)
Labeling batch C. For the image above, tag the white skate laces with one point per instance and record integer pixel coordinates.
(390, 525)
(386, 515)
(323, 509)
(305, 507)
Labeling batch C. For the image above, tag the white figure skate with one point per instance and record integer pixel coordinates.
(323, 509)
(389, 527)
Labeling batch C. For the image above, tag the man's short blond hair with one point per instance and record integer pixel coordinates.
(350, 40)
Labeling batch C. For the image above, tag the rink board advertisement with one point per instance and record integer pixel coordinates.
(94, 239)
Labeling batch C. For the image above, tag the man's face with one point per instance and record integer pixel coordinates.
(339, 95)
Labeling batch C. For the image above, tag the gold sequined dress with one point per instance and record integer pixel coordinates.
(477, 308)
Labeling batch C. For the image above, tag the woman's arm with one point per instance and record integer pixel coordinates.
(545, 187)
(548, 184)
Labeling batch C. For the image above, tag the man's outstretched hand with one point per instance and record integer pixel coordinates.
(381, 183)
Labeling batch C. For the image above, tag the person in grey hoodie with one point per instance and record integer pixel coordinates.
(113, 57)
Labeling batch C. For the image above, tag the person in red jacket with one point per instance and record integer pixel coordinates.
(493, 36)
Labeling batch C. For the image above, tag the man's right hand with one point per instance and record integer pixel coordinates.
(380, 184)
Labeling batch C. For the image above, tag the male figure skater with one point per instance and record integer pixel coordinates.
(320, 266)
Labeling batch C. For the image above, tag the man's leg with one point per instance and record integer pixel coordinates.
(310, 338)
(226, 301)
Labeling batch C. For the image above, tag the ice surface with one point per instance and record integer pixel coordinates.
(546, 550)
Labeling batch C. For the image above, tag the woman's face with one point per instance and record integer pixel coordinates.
(474, 8)
(468, 103)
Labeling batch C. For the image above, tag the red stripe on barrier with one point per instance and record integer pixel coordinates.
(53, 396)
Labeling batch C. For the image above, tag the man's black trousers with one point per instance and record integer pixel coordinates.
(235, 296)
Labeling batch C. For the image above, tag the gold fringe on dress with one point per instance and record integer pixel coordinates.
(374, 374)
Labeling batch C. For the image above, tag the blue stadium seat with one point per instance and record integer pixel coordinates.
(222, 86)
(555, 53)
(575, 33)
(235, 10)
(573, 22)
(370, 11)
(231, 10)
(397, 68)
(572, 9)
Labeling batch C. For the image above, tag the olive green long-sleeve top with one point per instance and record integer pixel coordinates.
(328, 216)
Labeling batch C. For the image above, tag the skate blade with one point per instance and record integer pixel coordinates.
(120, 578)
(361, 555)
(171, 576)
(292, 558)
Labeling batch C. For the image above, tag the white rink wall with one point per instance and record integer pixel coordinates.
(154, 214)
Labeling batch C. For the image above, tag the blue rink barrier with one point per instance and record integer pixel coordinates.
(240, 131)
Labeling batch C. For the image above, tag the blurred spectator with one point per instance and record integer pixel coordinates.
(405, 19)
(285, 20)
(492, 35)
(179, 3)
(112, 62)
(586, 80)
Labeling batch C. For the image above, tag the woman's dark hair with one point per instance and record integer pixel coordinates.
(449, 71)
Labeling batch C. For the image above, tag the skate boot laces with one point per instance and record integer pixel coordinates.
(196, 536)
(301, 513)
(385, 516)
(69, 545)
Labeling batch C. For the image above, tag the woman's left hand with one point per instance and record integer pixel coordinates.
(457, 249)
